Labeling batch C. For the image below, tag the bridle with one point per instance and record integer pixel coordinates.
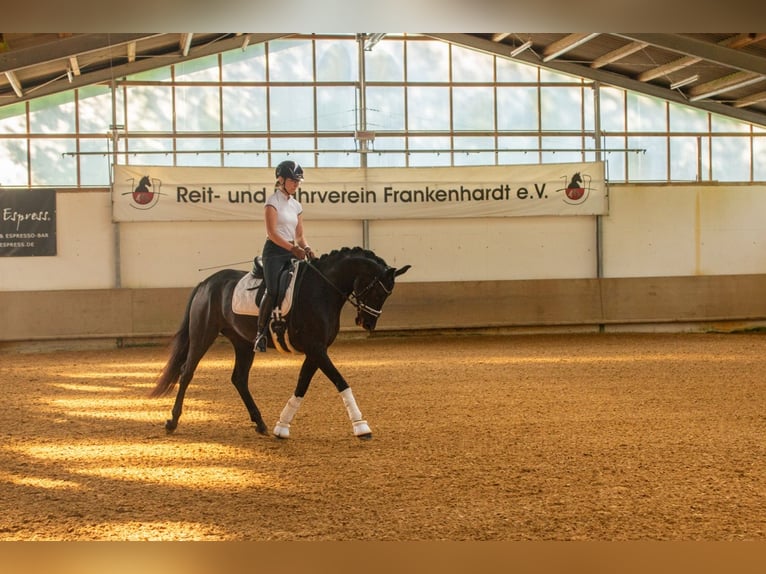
(356, 298)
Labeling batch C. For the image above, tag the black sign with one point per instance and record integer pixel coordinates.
(27, 222)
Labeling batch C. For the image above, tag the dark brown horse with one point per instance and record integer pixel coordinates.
(354, 274)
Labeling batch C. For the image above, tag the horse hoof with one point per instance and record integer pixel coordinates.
(362, 429)
(170, 426)
(282, 430)
(261, 429)
(366, 436)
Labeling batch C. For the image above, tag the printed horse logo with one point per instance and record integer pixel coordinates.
(142, 195)
(146, 194)
(576, 191)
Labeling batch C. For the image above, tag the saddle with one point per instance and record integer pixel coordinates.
(283, 300)
(251, 288)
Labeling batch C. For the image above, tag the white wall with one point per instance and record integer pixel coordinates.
(85, 247)
(685, 230)
(704, 229)
(488, 249)
(179, 254)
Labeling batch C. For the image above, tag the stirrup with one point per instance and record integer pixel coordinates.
(278, 327)
(260, 343)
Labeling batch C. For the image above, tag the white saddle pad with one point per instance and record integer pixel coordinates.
(243, 299)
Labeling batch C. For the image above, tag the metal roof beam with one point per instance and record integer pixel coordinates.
(725, 84)
(699, 49)
(184, 43)
(561, 47)
(750, 100)
(143, 64)
(604, 77)
(15, 84)
(738, 41)
(12, 60)
(618, 54)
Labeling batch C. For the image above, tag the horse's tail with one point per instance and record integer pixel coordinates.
(179, 349)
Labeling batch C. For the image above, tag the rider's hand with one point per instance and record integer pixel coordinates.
(298, 252)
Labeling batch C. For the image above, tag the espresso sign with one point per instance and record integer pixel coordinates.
(27, 222)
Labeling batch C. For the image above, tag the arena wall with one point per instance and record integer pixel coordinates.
(678, 257)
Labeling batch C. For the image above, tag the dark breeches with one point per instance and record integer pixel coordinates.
(274, 258)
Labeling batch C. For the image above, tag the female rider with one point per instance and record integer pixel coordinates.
(284, 239)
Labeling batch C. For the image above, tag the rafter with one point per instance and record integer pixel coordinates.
(618, 54)
(668, 68)
(185, 43)
(735, 42)
(750, 100)
(564, 45)
(15, 84)
(715, 53)
(606, 77)
(742, 40)
(77, 45)
(107, 75)
(74, 65)
(725, 84)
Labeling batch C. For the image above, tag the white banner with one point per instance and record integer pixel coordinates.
(161, 193)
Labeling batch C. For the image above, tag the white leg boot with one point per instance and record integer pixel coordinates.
(282, 428)
(361, 428)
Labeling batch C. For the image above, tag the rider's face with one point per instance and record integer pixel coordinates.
(291, 185)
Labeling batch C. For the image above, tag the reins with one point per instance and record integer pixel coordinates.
(355, 298)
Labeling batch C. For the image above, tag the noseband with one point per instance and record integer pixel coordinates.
(356, 298)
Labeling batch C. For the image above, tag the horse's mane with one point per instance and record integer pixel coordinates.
(345, 252)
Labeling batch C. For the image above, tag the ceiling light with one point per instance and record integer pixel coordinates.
(519, 49)
(373, 39)
(684, 82)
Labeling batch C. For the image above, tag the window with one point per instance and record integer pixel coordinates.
(474, 110)
(428, 103)
(517, 109)
(427, 61)
(428, 109)
(53, 114)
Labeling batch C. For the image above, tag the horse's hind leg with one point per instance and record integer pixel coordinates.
(197, 349)
(243, 351)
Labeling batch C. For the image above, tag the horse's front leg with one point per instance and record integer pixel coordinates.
(282, 428)
(359, 425)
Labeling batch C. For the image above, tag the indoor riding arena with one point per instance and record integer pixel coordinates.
(475, 437)
(576, 351)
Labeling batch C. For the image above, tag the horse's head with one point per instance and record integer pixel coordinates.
(371, 292)
(576, 180)
(142, 195)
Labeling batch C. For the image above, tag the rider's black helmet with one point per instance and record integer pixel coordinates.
(289, 169)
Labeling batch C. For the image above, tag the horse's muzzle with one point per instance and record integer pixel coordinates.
(366, 323)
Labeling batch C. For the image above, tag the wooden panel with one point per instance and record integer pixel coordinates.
(31, 315)
(157, 311)
(492, 304)
(669, 299)
(28, 315)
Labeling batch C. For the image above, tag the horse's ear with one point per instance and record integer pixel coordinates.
(401, 270)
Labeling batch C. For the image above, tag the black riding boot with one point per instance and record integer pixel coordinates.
(264, 315)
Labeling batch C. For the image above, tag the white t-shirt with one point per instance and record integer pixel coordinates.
(288, 209)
